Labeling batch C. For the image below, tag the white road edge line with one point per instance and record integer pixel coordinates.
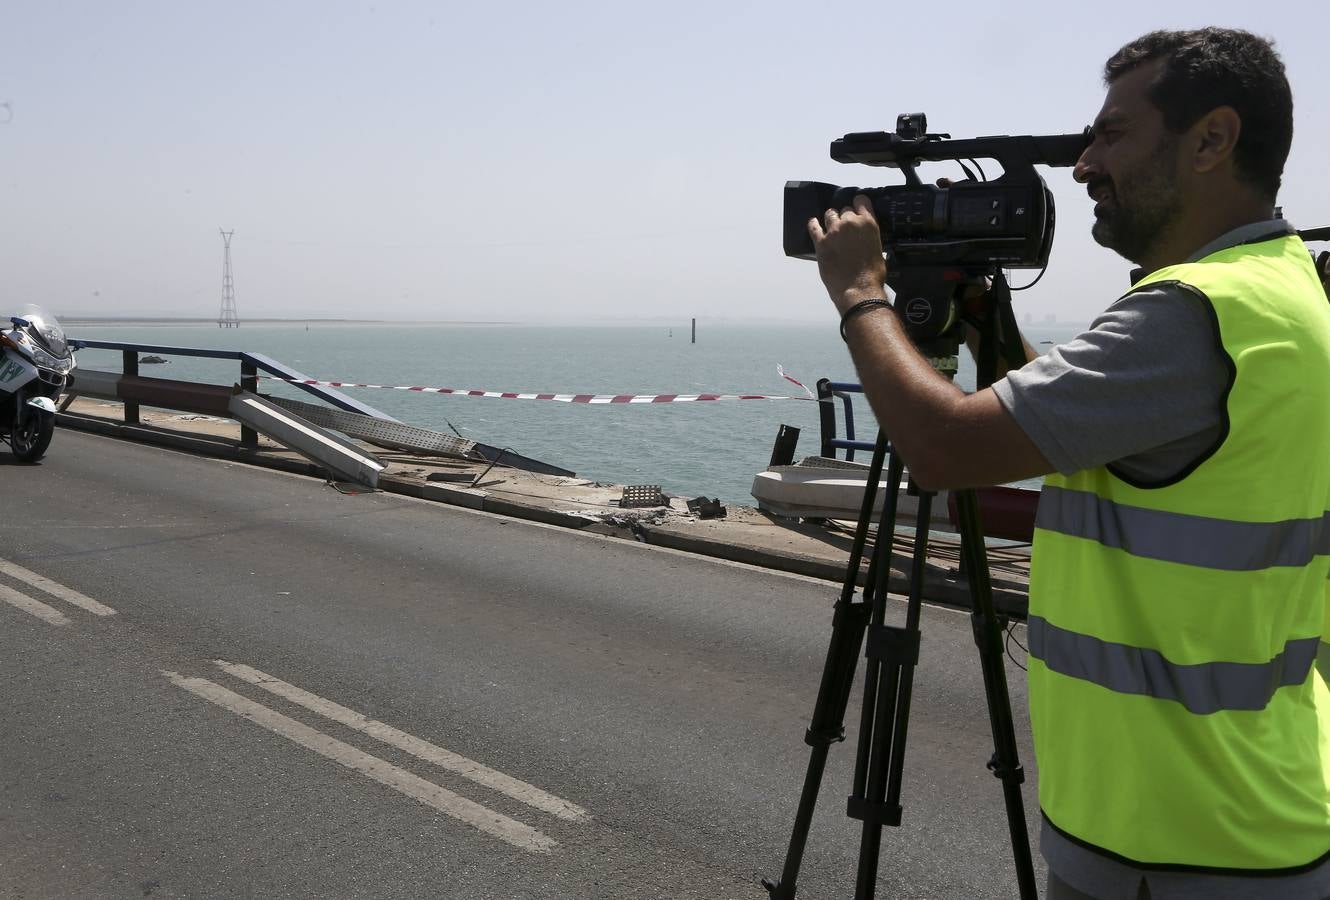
(69, 595)
(445, 801)
(35, 607)
(422, 749)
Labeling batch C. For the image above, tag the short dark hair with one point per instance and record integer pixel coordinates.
(1213, 67)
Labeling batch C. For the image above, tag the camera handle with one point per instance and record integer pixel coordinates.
(998, 332)
(892, 653)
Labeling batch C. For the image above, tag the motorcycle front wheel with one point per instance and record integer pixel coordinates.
(30, 439)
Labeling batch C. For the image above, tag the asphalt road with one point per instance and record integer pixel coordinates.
(239, 683)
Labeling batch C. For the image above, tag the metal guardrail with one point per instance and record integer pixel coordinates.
(826, 390)
(350, 417)
(250, 366)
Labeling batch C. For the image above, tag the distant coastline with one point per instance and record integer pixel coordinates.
(168, 320)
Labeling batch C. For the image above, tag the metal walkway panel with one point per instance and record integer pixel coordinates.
(342, 458)
(506, 456)
(382, 432)
(399, 436)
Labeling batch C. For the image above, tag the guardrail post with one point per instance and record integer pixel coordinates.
(849, 422)
(131, 367)
(782, 452)
(826, 417)
(249, 381)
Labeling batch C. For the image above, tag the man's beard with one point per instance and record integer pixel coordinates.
(1143, 205)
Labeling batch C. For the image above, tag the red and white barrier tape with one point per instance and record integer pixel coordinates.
(780, 370)
(558, 398)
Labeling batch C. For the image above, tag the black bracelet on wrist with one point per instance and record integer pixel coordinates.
(859, 307)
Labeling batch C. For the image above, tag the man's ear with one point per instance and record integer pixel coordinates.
(1214, 137)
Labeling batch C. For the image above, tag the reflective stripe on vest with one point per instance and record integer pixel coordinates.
(1202, 688)
(1181, 538)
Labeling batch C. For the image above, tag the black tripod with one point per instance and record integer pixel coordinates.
(893, 652)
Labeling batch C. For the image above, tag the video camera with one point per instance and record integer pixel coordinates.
(936, 238)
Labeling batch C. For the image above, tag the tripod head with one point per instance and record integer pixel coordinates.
(928, 301)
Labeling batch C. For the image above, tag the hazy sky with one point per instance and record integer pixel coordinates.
(517, 161)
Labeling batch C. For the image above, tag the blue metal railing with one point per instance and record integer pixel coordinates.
(826, 390)
(250, 366)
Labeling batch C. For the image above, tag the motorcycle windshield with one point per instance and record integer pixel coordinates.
(45, 330)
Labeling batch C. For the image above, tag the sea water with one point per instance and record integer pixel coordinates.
(693, 449)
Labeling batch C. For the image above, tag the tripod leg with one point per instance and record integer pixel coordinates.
(1005, 763)
(893, 653)
(847, 631)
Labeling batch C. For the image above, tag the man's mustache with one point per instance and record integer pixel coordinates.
(1100, 187)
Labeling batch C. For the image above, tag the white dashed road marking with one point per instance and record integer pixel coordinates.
(69, 595)
(487, 820)
(422, 749)
(35, 607)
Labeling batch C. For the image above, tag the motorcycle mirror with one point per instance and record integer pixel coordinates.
(19, 321)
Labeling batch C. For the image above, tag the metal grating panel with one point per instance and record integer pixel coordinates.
(643, 495)
(380, 431)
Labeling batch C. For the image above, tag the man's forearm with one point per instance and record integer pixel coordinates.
(948, 438)
(910, 398)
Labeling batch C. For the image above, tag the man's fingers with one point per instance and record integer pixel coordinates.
(815, 227)
(832, 218)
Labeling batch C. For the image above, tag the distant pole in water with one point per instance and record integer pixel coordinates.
(694, 331)
(227, 317)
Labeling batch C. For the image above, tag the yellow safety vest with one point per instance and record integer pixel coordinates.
(1175, 628)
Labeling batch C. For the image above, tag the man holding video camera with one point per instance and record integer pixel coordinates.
(1178, 591)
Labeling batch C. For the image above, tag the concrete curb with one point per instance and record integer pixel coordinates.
(798, 563)
(466, 497)
(537, 513)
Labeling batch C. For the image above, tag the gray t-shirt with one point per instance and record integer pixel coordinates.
(1141, 391)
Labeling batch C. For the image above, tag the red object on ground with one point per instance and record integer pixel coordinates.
(1005, 512)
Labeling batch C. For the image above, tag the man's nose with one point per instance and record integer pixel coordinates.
(1085, 167)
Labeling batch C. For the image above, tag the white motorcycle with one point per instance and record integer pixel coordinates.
(35, 361)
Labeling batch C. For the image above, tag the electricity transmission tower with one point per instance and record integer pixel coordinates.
(227, 317)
